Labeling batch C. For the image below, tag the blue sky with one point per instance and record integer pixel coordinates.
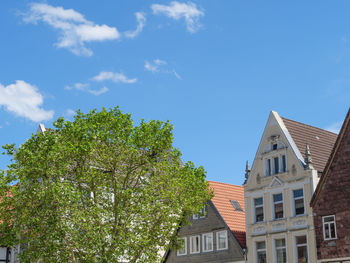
(215, 69)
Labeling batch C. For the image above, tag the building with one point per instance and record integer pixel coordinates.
(331, 203)
(217, 233)
(278, 190)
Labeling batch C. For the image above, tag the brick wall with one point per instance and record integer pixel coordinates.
(334, 199)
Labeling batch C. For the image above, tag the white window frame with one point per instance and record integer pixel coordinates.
(203, 242)
(256, 249)
(295, 247)
(293, 201)
(329, 223)
(185, 246)
(274, 238)
(273, 203)
(254, 209)
(217, 240)
(199, 244)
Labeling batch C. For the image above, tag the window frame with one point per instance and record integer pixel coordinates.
(295, 245)
(203, 242)
(285, 247)
(298, 198)
(255, 207)
(199, 244)
(260, 250)
(217, 240)
(328, 223)
(276, 203)
(185, 247)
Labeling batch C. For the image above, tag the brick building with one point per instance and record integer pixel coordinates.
(331, 203)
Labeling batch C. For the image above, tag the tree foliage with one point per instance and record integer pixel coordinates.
(98, 189)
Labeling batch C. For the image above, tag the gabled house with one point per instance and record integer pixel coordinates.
(217, 233)
(331, 203)
(290, 158)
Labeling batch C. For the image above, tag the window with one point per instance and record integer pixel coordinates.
(261, 251)
(259, 209)
(284, 164)
(280, 252)
(274, 146)
(236, 205)
(268, 171)
(276, 165)
(183, 246)
(195, 244)
(207, 242)
(299, 201)
(301, 246)
(329, 227)
(5, 254)
(221, 240)
(278, 205)
(200, 214)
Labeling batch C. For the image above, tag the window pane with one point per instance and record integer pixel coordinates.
(276, 162)
(260, 245)
(302, 254)
(277, 198)
(262, 257)
(326, 234)
(268, 167)
(284, 168)
(298, 193)
(332, 225)
(3, 252)
(279, 210)
(281, 255)
(299, 206)
(258, 201)
(208, 242)
(328, 219)
(222, 240)
(280, 242)
(259, 214)
(301, 240)
(182, 249)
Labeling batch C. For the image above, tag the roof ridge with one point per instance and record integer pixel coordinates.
(283, 118)
(225, 183)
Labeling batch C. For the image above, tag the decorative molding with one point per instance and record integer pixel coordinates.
(259, 230)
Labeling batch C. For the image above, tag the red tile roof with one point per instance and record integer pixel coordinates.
(320, 141)
(235, 220)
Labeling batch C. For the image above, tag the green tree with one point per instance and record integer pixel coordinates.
(98, 189)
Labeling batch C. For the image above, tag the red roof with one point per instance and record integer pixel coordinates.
(235, 220)
(320, 141)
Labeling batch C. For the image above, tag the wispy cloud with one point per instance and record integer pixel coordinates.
(24, 100)
(141, 20)
(158, 65)
(114, 77)
(74, 30)
(176, 10)
(86, 87)
(154, 67)
(334, 127)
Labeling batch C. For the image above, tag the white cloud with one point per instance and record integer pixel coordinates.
(74, 29)
(70, 112)
(334, 127)
(154, 67)
(113, 76)
(159, 66)
(141, 20)
(177, 10)
(86, 87)
(24, 100)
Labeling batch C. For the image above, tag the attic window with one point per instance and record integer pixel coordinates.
(236, 205)
(274, 146)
